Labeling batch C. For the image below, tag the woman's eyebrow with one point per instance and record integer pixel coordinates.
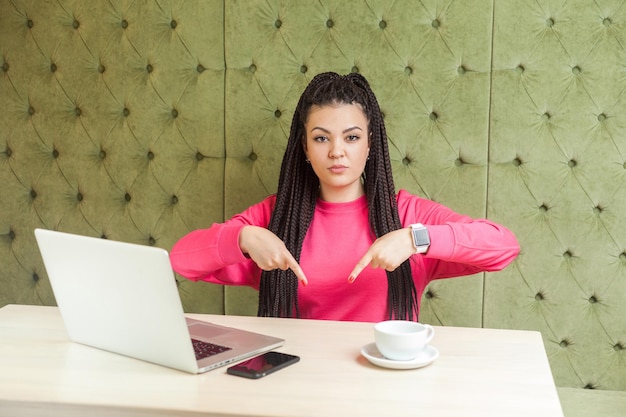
(328, 131)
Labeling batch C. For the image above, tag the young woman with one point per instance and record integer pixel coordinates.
(360, 251)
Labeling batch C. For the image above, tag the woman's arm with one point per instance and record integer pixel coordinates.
(214, 254)
(463, 245)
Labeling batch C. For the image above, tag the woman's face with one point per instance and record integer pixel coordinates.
(337, 145)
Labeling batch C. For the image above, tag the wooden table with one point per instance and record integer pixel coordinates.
(480, 372)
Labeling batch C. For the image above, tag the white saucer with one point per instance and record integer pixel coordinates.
(426, 357)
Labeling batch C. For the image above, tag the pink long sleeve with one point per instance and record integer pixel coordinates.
(214, 254)
(337, 238)
(460, 245)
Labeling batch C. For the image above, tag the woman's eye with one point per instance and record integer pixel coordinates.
(320, 139)
(352, 138)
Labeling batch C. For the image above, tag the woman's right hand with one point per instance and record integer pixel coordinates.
(268, 251)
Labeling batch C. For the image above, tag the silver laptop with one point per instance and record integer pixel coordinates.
(122, 297)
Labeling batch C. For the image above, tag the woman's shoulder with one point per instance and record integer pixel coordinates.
(411, 203)
(404, 196)
(259, 212)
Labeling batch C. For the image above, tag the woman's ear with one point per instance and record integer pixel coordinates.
(304, 149)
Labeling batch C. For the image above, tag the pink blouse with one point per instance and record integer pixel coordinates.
(338, 237)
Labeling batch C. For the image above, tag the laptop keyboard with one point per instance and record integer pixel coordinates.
(205, 349)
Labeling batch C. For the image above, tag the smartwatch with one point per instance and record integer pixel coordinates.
(421, 239)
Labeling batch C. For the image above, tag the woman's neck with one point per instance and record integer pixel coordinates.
(342, 195)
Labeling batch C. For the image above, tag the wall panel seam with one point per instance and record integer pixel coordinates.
(489, 108)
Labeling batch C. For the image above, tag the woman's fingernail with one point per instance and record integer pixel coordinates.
(351, 279)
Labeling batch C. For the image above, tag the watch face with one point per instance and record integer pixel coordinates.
(420, 237)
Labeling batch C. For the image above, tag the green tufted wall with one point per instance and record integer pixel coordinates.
(142, 120)
(113, 125)
(558, 176)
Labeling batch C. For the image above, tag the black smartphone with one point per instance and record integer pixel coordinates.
(262, 365)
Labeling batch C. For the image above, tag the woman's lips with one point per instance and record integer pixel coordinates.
(337, 169)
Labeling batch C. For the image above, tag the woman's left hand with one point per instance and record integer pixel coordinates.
(387, 252)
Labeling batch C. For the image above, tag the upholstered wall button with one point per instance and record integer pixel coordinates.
(126, 112)
(5, 66)
(124, 23)
(30, 23)
(173, 24)
(601, 117)
(576, 70)
(539, 297)
(53, 67)
(461, 70)
(278, 23)
(31, 110)
(549, 22)
(435, 23)
(382, 24)
(303, 69)
(174, 113)
(199, 156)
(149, 68)
(520, 69)
(200, 68)
(433, 116)
(354, 69)
(101, 69)
(35, 277)
(329, 23)
(75, 24)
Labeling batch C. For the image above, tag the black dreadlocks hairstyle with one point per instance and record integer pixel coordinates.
(298, 190)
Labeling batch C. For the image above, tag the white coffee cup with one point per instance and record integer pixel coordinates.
(402, 340)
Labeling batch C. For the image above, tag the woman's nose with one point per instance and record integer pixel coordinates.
(336, 149)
